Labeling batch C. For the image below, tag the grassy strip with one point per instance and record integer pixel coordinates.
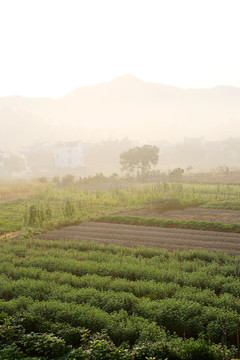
(54, 206)
(11, 218)
(227, 205)
(171, 223)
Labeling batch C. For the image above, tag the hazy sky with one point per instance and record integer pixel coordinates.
(50, 47)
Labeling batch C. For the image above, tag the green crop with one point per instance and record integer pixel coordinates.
(171, 223)
(54, 206)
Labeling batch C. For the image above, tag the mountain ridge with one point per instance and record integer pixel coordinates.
(126, 78)
(124, 106)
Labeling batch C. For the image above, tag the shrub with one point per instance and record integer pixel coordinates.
(46, 345)
(11, 352)
(68, 180)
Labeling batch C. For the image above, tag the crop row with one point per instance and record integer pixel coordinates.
(201, 256)
(123, 269)
(187, 319)
(119, 325)
(20, 338)
(171, 223)
(189, 261)
(175, 314)
(124, 291)
(108, 300)
(99, 257)
(139, 288)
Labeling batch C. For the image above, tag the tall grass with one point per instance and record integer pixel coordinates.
(53, 206)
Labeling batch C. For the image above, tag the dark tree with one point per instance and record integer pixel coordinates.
(139, 157)
(176, 174)
(68, 180)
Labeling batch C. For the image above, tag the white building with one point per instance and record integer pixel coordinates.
(68, 155)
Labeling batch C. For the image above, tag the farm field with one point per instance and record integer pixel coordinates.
(192, 213)
(135, 235)
(69, 299)
(99, 282)
(55, 206)
(16, 189)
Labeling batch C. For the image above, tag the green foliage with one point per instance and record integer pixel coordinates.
(68, 208)
(56, 295)
(100, 347)
(171, 223)
(140, 157)
(156, 350)
(54, 206)
(53, 291)
(176, 174)
(46, 345)
(75, 336)
(67, 180)
(228, 204)
(11, 352)
(37, 214)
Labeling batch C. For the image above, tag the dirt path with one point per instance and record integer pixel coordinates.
(133, 235)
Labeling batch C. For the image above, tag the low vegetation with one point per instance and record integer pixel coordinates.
(171, 223)
(56, 205)
(77, 300)
(17, 190)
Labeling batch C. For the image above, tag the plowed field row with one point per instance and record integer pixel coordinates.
(133, 235)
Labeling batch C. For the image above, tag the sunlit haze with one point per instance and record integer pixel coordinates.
(49, 48)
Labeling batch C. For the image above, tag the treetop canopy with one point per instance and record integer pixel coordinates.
(139, 157)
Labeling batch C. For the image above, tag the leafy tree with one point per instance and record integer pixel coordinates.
(139, 157)
(176, 174)
(68, 180)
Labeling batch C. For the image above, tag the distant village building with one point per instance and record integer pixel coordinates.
(37, 148)
(68, 155)
(40, 157)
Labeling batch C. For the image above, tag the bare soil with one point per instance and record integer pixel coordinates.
(135, 235)
(196, 213)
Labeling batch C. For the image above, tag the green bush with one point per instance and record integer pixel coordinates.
(155, 350)
(171, 223)
(203, 350)
(11, 352)
(46, 345)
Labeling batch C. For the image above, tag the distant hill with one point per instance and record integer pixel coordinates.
(125, 106)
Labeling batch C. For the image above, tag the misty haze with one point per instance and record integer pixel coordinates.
(123, 107)
(119, 180)
(191, 127)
